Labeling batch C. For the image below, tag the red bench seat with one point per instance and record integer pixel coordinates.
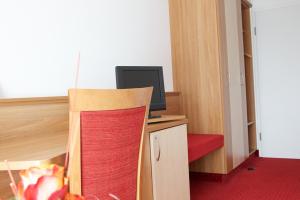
(200, 145)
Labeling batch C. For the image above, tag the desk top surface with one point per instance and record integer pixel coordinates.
(23, 152)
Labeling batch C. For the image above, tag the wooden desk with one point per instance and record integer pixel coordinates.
(40, 154)
(34, 131)
(166, 118)
(38, 149)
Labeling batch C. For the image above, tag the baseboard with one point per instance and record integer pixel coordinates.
(211, 177)
(257, 153)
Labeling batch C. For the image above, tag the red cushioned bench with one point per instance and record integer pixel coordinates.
(200, 145)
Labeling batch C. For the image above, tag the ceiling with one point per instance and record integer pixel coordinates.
(259, 5)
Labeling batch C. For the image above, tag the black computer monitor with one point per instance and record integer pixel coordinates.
(143, 76)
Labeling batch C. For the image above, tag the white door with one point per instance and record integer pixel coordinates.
(278, 51)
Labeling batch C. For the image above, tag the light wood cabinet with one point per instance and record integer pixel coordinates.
(169, 161)
(210, 70)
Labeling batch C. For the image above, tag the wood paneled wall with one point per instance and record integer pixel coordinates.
(26, 123)
(31, 129)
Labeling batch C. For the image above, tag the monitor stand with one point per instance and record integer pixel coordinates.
(150, 116)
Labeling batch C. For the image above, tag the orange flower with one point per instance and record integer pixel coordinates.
(42, 183)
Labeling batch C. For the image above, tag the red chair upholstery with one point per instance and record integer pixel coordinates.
(110, 142)
(200, 145)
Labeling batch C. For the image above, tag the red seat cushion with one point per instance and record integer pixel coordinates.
(200, 145)
(110, 142)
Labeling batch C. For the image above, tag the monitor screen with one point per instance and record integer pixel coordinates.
(137, 77)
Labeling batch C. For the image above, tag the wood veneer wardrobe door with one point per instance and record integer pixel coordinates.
(200, 72)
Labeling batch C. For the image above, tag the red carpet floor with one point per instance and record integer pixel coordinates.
(271, 179)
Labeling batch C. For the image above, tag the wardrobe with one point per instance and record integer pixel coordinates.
(212, 68)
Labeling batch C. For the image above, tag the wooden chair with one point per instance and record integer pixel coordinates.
(107, 129)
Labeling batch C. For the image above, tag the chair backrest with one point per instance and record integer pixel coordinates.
(88, 107)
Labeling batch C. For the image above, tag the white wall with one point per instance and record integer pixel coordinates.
(278, 45)
(40, 39)
(260, 5)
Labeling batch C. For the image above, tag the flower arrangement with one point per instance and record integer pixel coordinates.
(43, 183)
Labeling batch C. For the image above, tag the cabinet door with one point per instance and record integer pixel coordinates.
(169, 158)
(237, 95)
